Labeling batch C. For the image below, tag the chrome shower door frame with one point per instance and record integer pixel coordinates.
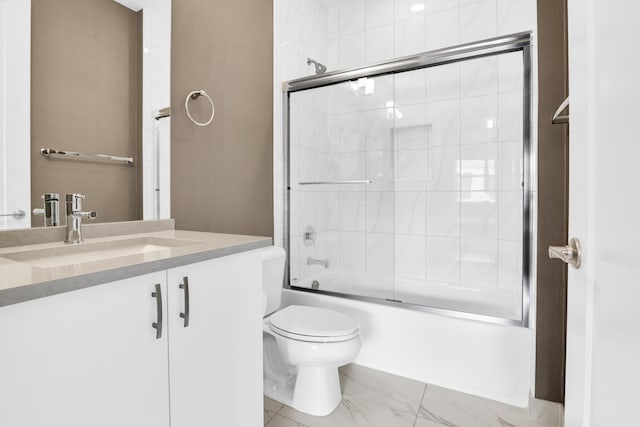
(519, 42)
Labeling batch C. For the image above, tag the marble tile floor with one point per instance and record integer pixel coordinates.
(377, 399)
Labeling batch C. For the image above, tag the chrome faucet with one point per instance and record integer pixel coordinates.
(314, 261)
(73, 204)
(51, 209)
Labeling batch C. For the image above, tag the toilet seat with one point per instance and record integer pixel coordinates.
(313, 324)
(313, 339)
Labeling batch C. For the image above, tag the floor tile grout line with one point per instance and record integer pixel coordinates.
(278, 411)
(375, 402)
(462, 400)
(424, 392)
(292, 419)
(356, 397)
(275, 412)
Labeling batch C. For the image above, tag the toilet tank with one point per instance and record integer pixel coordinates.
(273, 259)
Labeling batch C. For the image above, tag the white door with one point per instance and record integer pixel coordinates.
(215, 362)
(15, 96)
(85, 358)
(603, 325)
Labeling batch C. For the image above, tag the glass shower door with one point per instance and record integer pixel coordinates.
(410, 186)
(342, 188)
(459, 186)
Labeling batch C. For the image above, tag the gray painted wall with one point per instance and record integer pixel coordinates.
(553, 199)
(85, 96)
(222, 174)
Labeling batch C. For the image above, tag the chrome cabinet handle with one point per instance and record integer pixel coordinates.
(157, 325)
(570, 254)
(185, 286)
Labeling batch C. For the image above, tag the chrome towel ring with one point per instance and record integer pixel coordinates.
(195, 94)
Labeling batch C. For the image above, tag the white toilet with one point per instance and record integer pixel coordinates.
(303, 346)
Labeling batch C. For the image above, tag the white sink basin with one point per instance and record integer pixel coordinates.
(89, 252)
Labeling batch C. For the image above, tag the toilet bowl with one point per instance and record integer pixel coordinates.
(311, 344)
(303, 348)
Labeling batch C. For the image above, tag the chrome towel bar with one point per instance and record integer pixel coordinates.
(16, 215)
(359, 181)
(161, 113)
(46, 152)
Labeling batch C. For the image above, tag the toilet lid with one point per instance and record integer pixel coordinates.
(313, 322)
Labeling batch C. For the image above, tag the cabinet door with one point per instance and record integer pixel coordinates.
(85, 358)
(216, 361)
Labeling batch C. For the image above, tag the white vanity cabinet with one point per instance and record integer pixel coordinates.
(215, 360)
(85, 358)
(92, 357)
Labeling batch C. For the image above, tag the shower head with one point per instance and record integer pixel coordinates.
(320, 69)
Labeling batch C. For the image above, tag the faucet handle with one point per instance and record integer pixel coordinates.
(86, 215)
(74, 201)
(47, 197)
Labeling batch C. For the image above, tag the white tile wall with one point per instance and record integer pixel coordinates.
(443, 259)
(478, 20)
(479, 116)
(410, 256)
(442, 170)
(380, 255)
(410, 212)
(379, 13)
(380, 212)
(410, 37)
(379, 44)
(352, 247)
(444, 117)
(442, 29)
(443, 146)
(479, 167)
(479, 262)
(443, 213)
(410, 88)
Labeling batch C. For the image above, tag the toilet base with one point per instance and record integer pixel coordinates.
(279, 391)
(314, 390)
(317, 390)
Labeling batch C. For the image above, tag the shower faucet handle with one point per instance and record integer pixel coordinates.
(314, 261)
(309, 236)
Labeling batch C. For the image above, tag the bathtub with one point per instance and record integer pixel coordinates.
(485, 359)
(499, 303)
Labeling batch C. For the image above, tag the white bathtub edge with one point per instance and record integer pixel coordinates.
(487, 360)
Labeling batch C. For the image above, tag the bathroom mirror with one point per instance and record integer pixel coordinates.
(89, 77)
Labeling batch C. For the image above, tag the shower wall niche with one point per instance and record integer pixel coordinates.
(410, 182)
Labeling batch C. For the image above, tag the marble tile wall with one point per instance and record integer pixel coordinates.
(300, 32)
(363, 32)
(442, 146)
(443, 149)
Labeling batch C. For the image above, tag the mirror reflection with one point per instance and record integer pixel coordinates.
(84, 108)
